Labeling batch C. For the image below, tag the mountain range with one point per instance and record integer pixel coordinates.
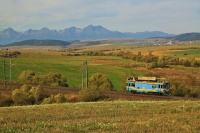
(9, 35)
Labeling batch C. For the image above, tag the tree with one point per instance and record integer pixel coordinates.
(97, 84)
(100, 82)
(27, 95)
(37, 93)
(51, 79)
(59, 98)
(26, 77)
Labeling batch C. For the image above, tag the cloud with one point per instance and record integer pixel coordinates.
(129, 15)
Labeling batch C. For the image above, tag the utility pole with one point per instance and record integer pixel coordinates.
(82, 76)
(86, 75)
(86, 66)
(10, 70)
(4, 73)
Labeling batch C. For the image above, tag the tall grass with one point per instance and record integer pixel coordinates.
(179, 116)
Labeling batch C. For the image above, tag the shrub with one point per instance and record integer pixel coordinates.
(59, 98)
(100, 82)
(195, 92)
(72, 98)
(37, 93)
(89, 94)
(5, 99)
(178, 89)
(97, 84)
(27, 95)
(49, 100)
(51, 79)
(26, 77)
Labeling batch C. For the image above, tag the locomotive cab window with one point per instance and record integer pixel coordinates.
(153, 86)
(164, 86)
(133, 85)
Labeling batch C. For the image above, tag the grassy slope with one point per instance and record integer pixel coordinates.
(68, 66)
(177, 116)
(191, 53)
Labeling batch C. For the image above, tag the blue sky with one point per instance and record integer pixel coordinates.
(171, 16)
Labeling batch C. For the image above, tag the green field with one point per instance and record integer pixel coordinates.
(190, 53)
(134, 117)
(68, 66)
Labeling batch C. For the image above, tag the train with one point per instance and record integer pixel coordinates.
(148, 85)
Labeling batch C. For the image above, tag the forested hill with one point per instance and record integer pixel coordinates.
(187, 37)
(40, 43)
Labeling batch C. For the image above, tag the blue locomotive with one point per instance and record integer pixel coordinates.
(151, 85)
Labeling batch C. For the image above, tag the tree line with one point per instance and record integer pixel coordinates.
(151, 60)
(156, 62)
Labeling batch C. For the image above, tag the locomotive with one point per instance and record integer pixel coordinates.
(149, 85)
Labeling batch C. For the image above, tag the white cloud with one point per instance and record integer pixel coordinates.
(173, 16)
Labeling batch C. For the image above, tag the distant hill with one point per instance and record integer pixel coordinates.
(40, 43)
(88, 33)
(187, 37)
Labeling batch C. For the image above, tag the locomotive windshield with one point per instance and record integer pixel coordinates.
(166, 86)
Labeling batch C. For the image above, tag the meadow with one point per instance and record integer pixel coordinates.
(41, 61)
(117, 69)
(68, 66)
(117, 116)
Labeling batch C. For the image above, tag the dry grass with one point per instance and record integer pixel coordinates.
(180, 116)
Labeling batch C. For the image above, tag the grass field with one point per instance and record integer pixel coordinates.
(134, 117)
(43, 62)
(191, 53)
(116, 116)
(68, 66)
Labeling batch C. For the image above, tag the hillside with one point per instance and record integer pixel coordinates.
(9, 35)
(40, 43)
(188, 37)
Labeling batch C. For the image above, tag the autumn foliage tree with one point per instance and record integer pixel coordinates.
(97, 84)
(27, 95)
(50, 79)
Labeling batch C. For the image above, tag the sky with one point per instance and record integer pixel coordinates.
(170, 16)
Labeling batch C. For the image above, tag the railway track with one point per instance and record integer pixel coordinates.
(111, 95)
(139, 97)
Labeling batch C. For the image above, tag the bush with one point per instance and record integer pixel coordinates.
(100, 82)
(27, 95)
(72, 98)
(5, 99)
(37, 93)
(49, 100)
(26, 77)
(51, 79)
(195, 92)
(89, 94)
(59, 98)
(97, 84)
